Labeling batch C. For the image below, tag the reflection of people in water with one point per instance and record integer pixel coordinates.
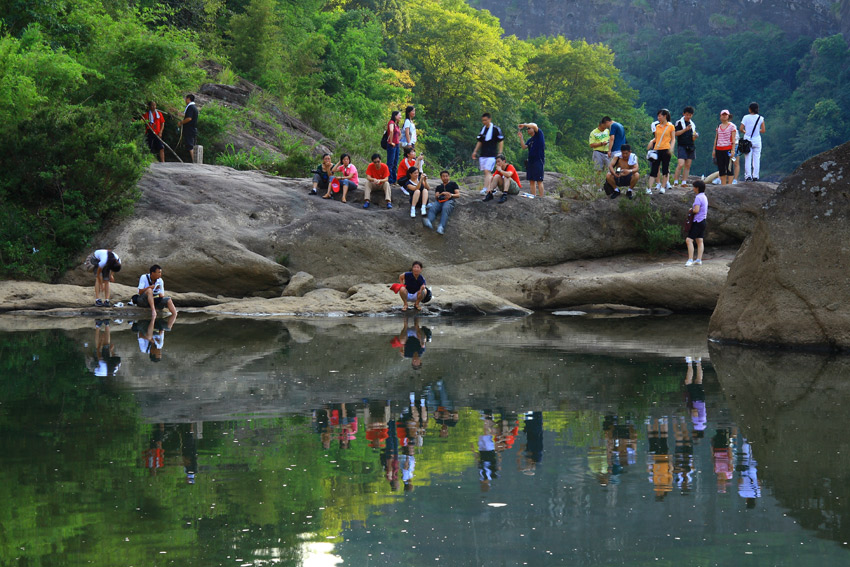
(407, 465)
(389, 456)
(377, 415)
(104, 362)
(154, 456)
(189, 452)
(344, 417)
(412, 342)
(695, 396)
(445, 414)
(413, 423)
(659, 465)
(721, 452)
(322, 426)
(151, 335)
(506, 430)
(683, 462)
(532, 452)
(748, 483)
(488, 458)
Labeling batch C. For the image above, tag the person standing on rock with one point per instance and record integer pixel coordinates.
(661, 145)
(190, 125)
(686, 135)
(377, 179)
(599, 141)
(618, 136)
(103, 263)
(413, 286)
(152, 292)
(446, 195)
(491, 142)
(752, 127)
(408, 129)
(725, 139)
(697, 231)
(393, 145)
(536, 147)
(154, 123)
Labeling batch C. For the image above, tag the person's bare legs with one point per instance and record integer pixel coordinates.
(690, 244)
(687, 172)
(162, 156)
(171, 307)
(540, 189)
(700, 248)
(149, 295)
(344, 191)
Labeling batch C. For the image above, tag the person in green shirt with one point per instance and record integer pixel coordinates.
(598, 142)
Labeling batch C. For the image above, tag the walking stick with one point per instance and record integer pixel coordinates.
(163, 141)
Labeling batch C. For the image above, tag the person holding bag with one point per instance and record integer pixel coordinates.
(752, 127)
(659, 152)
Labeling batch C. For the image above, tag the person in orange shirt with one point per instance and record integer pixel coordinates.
(506, 178)
(661, 144)
(154, 122)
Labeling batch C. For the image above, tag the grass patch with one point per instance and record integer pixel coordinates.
(655, 232)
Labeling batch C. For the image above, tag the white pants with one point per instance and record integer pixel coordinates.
(752, 162)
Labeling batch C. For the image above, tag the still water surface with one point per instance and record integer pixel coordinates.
(536, 441)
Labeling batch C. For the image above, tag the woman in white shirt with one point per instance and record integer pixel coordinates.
(752, 127)
(408, 129)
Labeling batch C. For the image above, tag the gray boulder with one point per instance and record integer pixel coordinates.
(789, 282)
(301, 283)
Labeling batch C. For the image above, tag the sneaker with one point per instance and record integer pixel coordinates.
(689, 263)
(716, 181)
(614, 194)
(675, 183)
(440, 230)
(427, 223)
(684, 183)
(314, 192)
(698, 262)
(424, 210)
(734, 182)
(748, 178)
(662, 190)
(106, 303)
(483, 191)
(389, 205)
(658, 186)
(488, 197)
(669, 186)
(366, 205)
(413, 212)
(755, 178)
(98, 302)
(648, 191)
(405, 191)
(503, 198)
(688, 360)
(630, 194)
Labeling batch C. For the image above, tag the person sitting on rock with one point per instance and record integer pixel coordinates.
(413, 286)
(348, 178)
(446, 194)
(505, 178)
(377, 178)
(103, 263)
(152, 292)
(416, 184)
(408, 161)
(322, 175)
(622, 172)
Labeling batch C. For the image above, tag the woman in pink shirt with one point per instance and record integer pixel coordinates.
(347, 175)
(725, 138)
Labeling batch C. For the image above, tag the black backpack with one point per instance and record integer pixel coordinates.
(384, 138)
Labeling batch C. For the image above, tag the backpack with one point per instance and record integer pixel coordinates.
(385, 138)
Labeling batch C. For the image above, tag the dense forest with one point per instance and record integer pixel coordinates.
(75, 77)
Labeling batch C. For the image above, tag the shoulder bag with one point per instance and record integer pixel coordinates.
(745, 145)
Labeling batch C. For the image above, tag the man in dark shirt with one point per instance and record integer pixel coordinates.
(446, 195)
(686, 135)
(490, 142)
(190, 125)
(413, 286)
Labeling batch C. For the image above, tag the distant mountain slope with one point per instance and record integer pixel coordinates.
(597, 20)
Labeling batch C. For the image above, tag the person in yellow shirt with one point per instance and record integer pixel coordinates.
(598, 143)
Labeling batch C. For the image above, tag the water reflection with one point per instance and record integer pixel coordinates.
(103, 362)
(266, 442)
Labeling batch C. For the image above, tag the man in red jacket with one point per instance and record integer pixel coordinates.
(154, 122)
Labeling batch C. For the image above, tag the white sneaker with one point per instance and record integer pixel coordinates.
(688, 360)
(648, 191)
(424, 210)
(698, 262)
(734, 182)
(669, 186)
(661, 190)
(483, 191)
(675, 183)
(716, 181)
(405, 191)
(413, 212)
(689, 263)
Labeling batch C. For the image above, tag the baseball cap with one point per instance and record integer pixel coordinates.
(724, 111)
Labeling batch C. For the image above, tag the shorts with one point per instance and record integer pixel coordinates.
(618, 153)
(413, 296)
(158, 302)
(662, 163)
(190, 137)
(486, 163)
(624, 180)
(513, 188)
(697, 230)
(154, 143)
(600, 160)
(534, 170)
(686, 152)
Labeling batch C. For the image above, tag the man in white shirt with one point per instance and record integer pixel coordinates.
(752, 127)
(152, 292)
(622, 172)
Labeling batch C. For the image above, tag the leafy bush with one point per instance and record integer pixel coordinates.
(581, 182)
(653, 226)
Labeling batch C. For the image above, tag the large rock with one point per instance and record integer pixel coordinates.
(220, 231)
(789, 282)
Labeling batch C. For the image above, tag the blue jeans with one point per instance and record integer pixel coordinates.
(392, 162)
(442, 209)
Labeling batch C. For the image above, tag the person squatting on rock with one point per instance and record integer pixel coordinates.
(413, 286)
(697, 231)
(190, 125)
(154, 123)
(377, 179)
(491, 142)
(536, 147)
(152, 292)
(446, 195)
(322, 175)
(103, 263)
(505, 178)
(622, 172)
